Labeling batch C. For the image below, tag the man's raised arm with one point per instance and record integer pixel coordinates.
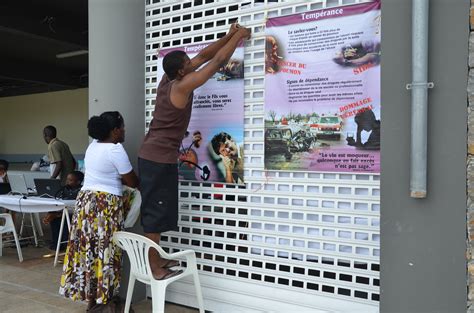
(210, 51)
(182, 89)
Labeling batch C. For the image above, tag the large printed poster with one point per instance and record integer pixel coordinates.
(322, 90)
(217, 121)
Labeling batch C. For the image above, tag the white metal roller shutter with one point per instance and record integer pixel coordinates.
(287, 241)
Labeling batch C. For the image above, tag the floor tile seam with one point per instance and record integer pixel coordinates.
(37, 302)
(56, 295)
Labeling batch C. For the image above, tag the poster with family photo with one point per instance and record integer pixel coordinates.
(212, 149)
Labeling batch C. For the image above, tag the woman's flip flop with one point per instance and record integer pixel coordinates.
(170, 264)
(168, 274)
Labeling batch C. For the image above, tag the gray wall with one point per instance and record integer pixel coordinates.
(423, 241)
(117, 64)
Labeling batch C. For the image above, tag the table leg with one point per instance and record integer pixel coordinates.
(22, 224)
(34, 229)
(68, 220)
(61, 228)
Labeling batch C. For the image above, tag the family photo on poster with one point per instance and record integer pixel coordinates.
(212, 148)
(322, 83)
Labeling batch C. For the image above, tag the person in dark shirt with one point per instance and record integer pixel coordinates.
(73, 186)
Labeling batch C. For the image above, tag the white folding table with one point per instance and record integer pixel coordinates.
(23, 204)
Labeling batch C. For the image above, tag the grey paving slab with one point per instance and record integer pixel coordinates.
(32, 286)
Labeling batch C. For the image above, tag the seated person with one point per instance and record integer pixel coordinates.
(4, 179)
(3, 171)
(73, 186)
(68, 192)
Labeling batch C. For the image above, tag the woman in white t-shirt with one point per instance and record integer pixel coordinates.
(91, 270)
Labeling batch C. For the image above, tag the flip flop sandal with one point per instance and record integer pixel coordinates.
(169, 273)
(170, 264)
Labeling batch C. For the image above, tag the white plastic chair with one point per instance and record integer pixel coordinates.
(9, 227)
(137, 248)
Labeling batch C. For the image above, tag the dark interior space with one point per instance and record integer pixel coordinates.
(44, 46)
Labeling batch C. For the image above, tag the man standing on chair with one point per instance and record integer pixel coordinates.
(158, 155)
(59, 154)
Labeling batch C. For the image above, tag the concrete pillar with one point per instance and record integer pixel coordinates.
(117, 77)
(117, 65)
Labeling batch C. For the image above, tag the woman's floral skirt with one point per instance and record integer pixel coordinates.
(91, 270)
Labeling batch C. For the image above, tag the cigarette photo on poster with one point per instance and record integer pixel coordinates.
(212, 149)
(322, 90)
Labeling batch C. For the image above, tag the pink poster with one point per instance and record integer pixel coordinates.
(322, 90)
(218, 118)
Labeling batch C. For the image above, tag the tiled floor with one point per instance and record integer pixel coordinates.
(32, 286)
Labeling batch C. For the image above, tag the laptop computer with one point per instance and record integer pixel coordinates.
(18, 184)
(4, 188)
(47, 186)
(30, 177)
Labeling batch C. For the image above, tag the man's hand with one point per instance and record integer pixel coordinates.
(244, 33)
(218, 54)
(234, 27)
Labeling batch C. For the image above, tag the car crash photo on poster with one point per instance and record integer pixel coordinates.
(322, 90)
(212, 148)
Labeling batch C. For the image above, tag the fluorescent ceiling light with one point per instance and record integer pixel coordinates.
(71, 54)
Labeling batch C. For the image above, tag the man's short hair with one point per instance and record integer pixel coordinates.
(50, 131)
(173, 62)
(79, 175)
